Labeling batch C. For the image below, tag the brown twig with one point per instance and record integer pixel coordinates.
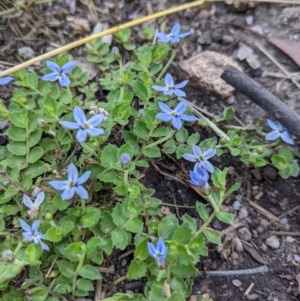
(262, 97)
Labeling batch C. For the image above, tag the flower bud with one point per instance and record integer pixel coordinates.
(125, 160)
(41, 123)
(7, 256)
(115, 51)
(260, 150)
(49, 216)
(223, 140)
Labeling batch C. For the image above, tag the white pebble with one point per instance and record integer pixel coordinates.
(243, 213)
(236, 282)
(273, 242)
(236, 205)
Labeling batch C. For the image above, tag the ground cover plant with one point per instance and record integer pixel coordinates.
(71, 193)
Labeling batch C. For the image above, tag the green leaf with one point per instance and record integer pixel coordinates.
(144, 55)
(279, 162)
(285, 153)
(140, 129)
(286, 172)
(198, 245)
(120, 239)
(140, 90)
(54, 234)
(66, 268)
(35, 137)
(94, 243)
(202, 210)
(137, 269)
(170, 147)
(84, 285)
(60, 204)
(167, 226)
(89, 272)
(74, 251)
(35, 154)
(90, 218)
(232, 189)
(159, 52)
(161, 132)
(182, 234)
(295, 169)
(229, 113)
(16, 133)
(109, 155)
(36, 169)
(134, 226)
(9, 271)
(225, 217)
(17, 148)
(19, 118)
(193, 139)
(212, 236)
(149, 116)
(182, 135)
(152, 152)
(118, 215)
(48, 144)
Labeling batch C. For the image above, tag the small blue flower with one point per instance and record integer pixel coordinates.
(33, 207)
(175, 115)
(174, 36)
(84, 127)
(201, 158)
(170, 88)
(73, 184)
(5, 80)
(158, 252)
(199, 177)
(125, 159)
(279, 131)
(32, 234)
(59, 73)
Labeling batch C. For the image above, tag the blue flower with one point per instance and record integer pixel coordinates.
(199, 177)
(32, 234)
(59, 73)
(125, 158)
(174, 36)
(33, 211)
(84, 127)
(279, 131)
(5, 80)
(201, 158)
(73, 184)
(158, 252)
(175, 115)
(170, 88)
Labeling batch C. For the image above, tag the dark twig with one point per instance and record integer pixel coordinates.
(266, 100)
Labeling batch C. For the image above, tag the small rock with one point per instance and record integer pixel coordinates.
(205, 38)
(269, 173)
(290, 239)
(218, 34)
(26, 53)
(227, 39)
(249, 19)
(243, 213)
(4, 124)
(273, 242)
(252, 296)
(260, 229)
(230, 100)
(245, 52)
(264, 247)
(283, 203)
(124, 262)
(297, 258)
(238, 246)
(264, 222)
(283, 221)
(236, 205)
(256, 174)
(236, 282)
(244, 234)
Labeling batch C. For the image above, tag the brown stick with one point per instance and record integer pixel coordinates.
(266, 100)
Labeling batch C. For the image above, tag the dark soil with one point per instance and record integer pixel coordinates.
(220, 28)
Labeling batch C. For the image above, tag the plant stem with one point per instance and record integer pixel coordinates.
(171, 59)
(177, 206)
(82, 201)
(126, 182)
(116, 282)
(171, 133)
(80, 263)
(202, 228)
(88, 149)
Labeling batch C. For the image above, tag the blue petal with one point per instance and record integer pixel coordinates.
(79, 115)
(175, 40)
(95, 132)
(44, 246)
(208, 166)
(64, 80)
(201, 172)
(95, 120)
(188, 118)
(209, 153)
(52, 77)
(181, 85)
(59, 185)
(196, 151)
(274, 125)
(5, 80)
(159, 88)
(35, 226)
(183, 34)
(168, 92)
(169, 80)
(70, 125)
(286, 137)
(83, 194)
(164, 108)
(39, 199)
(53, 66)
(164, 117)
(272, 136)
(176, 122)
(181, 107)
(27, 201)
(151, 249)
(179, 92)
(27, 236)
(83, 178)
(81, 136)
(72, 173)
(160, 246)
(163, 38)
(68, 194)
(175, 29)
(190, 157)
(68, 67)
(24, 226)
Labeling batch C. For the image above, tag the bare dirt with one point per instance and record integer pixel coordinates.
(226, 30)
